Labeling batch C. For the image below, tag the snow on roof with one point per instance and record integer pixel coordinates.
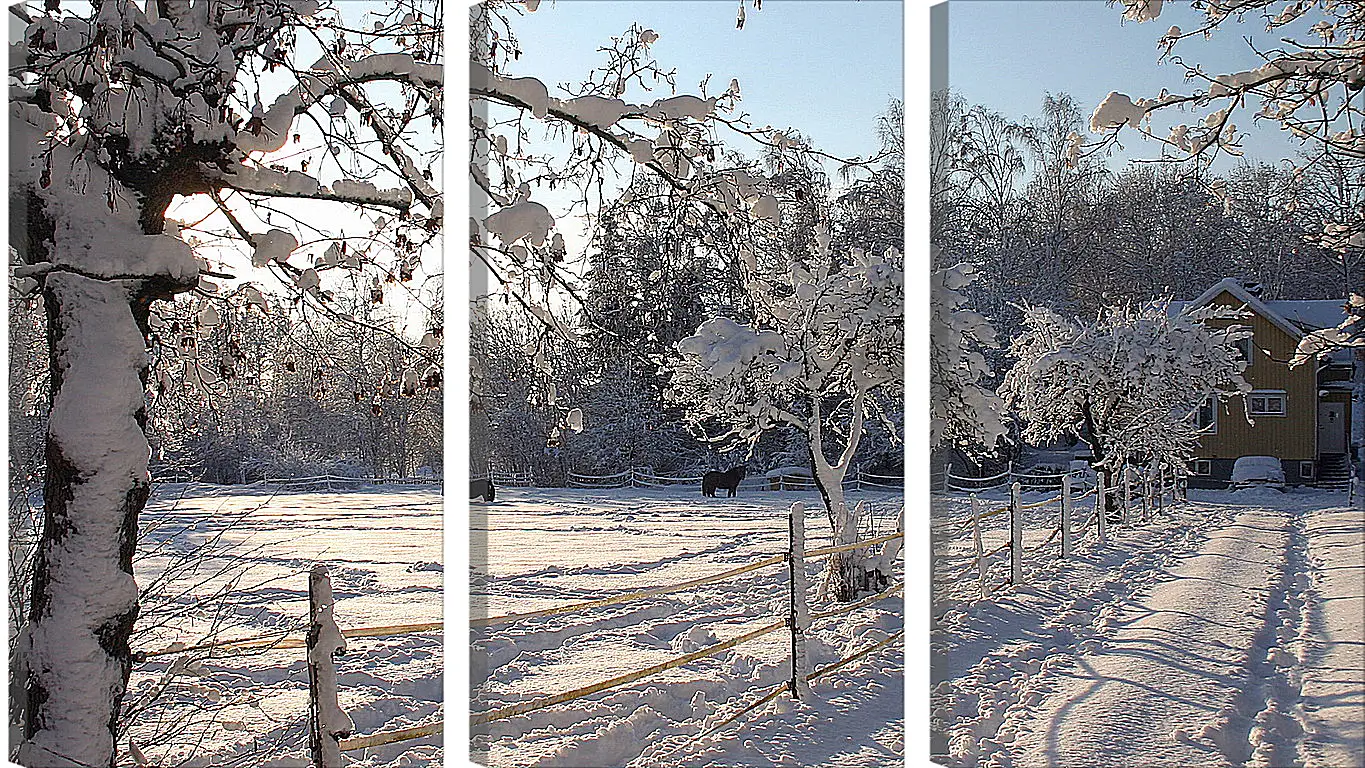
(1295, 317)
(1312, 314)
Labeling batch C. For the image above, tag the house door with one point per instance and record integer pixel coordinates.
(1331, 428)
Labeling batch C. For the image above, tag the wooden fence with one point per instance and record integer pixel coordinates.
(642, 478)
(1138, 495)
(329, 726)
(796, 621)
(945, 481)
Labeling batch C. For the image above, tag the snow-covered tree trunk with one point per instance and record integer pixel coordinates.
(84, 599)
(844, 577)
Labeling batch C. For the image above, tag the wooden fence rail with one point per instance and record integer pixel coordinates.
(1143, 493)
(796, 621)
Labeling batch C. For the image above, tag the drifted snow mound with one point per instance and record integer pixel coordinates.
(693, 639)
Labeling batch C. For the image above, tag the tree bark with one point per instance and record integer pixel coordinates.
(84, 601)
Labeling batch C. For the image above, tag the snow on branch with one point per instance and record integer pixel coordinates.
(965, 413)
(1129, 383)
(1310, 87)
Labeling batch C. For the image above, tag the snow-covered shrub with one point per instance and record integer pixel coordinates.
(1129, 383)
(964, 412)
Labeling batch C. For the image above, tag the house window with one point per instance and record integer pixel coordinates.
(1245, 347)
(1207, 417)
(1268, 404)
(1202, 467)
(1306, 470)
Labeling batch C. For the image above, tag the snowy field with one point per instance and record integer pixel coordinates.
(212, 708)
(535, 548)
(1226, 632)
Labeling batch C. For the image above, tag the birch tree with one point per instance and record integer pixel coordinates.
(119, 110)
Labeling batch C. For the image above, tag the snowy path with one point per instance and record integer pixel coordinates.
(1211, 638)
(1161, 689)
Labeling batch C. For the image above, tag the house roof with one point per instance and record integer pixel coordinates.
(1311, 314)
(1295, 317)
(1234, 286)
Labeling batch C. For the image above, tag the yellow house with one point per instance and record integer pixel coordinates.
(1299, 415)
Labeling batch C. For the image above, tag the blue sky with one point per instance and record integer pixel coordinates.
(1007, 53)
(824, 67)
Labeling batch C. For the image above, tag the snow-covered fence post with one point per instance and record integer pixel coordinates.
(799, 617)
(1160, 487)
(1016, 536)
(977, 550)
(1066, 516)
(1009, 472)
(947, 477)
(328, 723)
(1146, 494)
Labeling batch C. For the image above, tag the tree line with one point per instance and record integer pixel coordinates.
(1047, 224)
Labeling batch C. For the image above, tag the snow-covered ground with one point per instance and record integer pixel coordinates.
(537, 548)
(1225, 632)
(383, 546)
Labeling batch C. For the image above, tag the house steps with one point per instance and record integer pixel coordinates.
(1334, 471)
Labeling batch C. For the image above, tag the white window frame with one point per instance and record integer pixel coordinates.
(1307, 470)
(1266, 395)
(1202, 467)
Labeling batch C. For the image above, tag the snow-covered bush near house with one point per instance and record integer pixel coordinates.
(1128, 383)
(222, 563)
(591, 544)
(1250, 470)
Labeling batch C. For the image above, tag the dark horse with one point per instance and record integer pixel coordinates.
(728, 480)
(482, 489)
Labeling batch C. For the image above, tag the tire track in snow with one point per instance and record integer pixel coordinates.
(1333, 639)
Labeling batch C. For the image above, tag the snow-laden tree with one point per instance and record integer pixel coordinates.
(964, 413)
(536, 143)
(1130, 383)
(118, 110)
(1308, 80)
(823, 355)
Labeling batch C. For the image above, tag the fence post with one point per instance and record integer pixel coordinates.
(1160, 488)
(947, 476)
(1009, 472)
(1101, 507)
(799, 617)
(328, 723)
(977, 549)
(1016, 536)
(1066, 516)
